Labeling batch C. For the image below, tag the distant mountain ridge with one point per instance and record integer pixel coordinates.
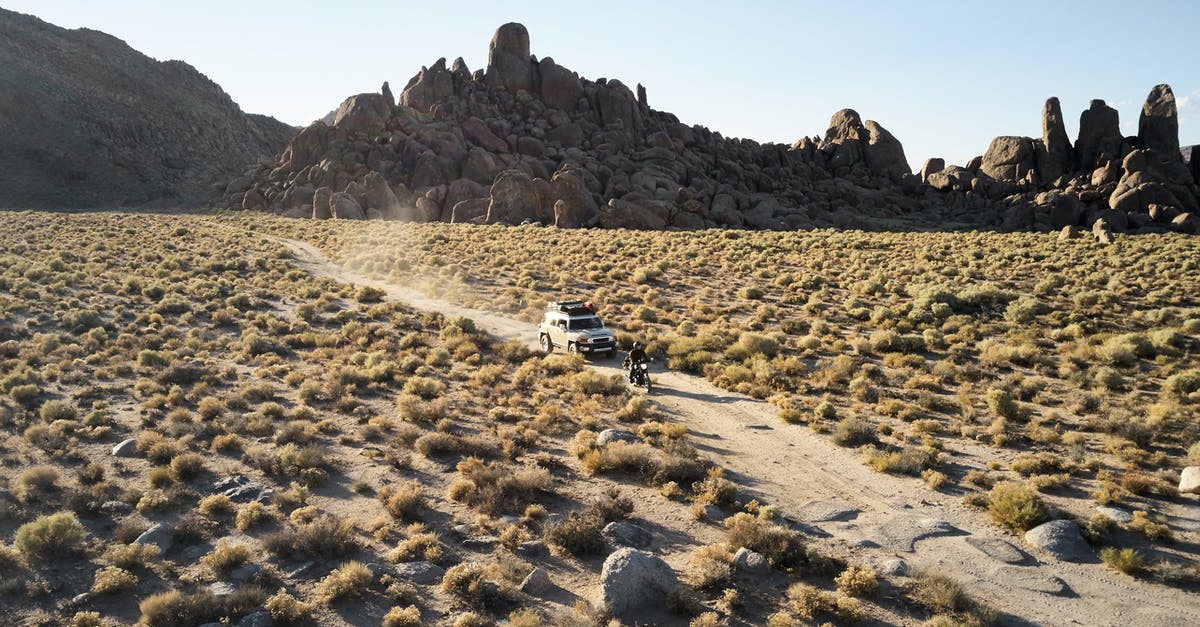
(87, 121)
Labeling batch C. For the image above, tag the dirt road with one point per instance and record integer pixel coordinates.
(828, 490)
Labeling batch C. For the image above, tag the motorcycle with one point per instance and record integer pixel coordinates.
(639, 375)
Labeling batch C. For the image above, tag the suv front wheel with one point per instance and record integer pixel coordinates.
(573, 348)
(547, 345)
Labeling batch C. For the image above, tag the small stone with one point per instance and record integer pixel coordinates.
(532, 548)
(1060, 538)
(299, 570)
(261, 618)
(1115, 513)
(480, 543)
(536, 582)
(245, 572)
(1189, 480)
(895, 567)
(378, 570)
(423, 573)
(80, 599)
(750, 561)
(116, 507)
(608, 436)
(221, 588)
(126, 448)
(464, 529)
(193, 553)
(159, 535)
(627, 534)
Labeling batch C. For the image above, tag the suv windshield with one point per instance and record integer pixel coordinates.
(591, 322)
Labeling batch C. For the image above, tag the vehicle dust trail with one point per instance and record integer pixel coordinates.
(827, 489)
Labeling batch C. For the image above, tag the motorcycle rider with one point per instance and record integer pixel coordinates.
(637, 355)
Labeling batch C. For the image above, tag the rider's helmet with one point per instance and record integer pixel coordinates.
(638, 345)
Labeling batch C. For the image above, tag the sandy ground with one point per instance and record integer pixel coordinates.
(828, 490)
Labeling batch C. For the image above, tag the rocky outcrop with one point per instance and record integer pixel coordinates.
(632, 580)
(1158, 125)
(87, 121)
(525, 140)
(529, 140)
(1054, 153)
(1010, 159)
(1134, 184)
(1099, 136)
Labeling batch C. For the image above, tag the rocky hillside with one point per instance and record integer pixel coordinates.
(1142, 183)
(87, 121)
(529, 140)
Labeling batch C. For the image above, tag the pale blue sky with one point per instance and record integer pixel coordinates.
(943, 76)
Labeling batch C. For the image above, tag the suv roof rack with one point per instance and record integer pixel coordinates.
(572, 307)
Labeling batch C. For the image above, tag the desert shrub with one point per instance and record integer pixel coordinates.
(715, 489)
(857, 581)
(287, 609)
(420, 546)
(402, 617)
(1016, 506)
(1128, 561)
(51, 535)
(113, 579)
(226, 556)
(131, 556)
(805, 602)
(349, 579)
(326, 537)
(216, 504)
(578, 534)
(710, 567)
(187, 466)
(781, 546)
(592, 382)
(1024, 309)
(905, 461)
(1182, 384)
(495, 488)
(413, 408)
(1027, 464)
(424, 387)
(34, 482)
(177, 609)
(853, 431)
(475, 584)
(1142, 524)
(86, 619)
(251, 515)
(57, 410)
(404, 501)
(1002, 404)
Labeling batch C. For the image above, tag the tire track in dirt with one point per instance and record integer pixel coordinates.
(792, 467)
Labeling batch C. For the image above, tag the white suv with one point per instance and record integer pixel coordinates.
(573, 324)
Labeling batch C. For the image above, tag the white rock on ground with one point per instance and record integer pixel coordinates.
(1060, 538)
(1189, 481)
(633, 579)
(750, 561)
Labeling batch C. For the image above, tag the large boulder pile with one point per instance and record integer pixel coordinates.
(87, 121)
(1130, 184)
(527, 140)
